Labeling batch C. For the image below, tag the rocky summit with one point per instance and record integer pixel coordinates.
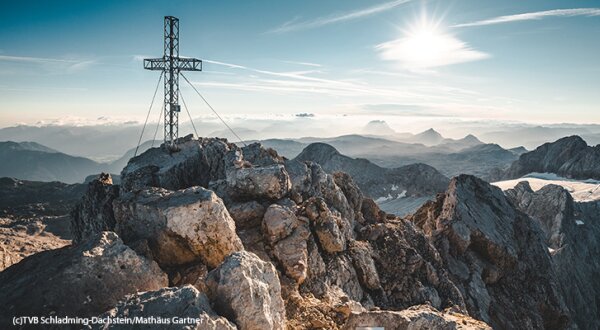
(569, 157)
(240, 237)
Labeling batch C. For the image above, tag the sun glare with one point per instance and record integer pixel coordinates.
(425, 44)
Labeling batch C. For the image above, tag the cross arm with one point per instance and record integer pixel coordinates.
(182, 64)
(189, 64)
(154, 64)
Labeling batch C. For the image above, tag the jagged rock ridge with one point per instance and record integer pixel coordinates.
(314, 252)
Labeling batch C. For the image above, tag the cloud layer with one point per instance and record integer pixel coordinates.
(534, 16)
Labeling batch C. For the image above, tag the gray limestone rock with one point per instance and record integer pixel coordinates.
(181, 226)
(246, 290)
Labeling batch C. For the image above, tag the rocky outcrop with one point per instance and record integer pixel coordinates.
(180, 226)
(569, 157)
(183, 308)
(277, 243)
(494, 253)
(417, 317)
(83, 280)
(409, 268)
(94, 213)
(247, 290)
(571, 233)
(196, 163)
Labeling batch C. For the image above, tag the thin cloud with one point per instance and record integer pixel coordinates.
(534, 16)
(34, 59)
(304, 63)
(296, 25)
(70, 65)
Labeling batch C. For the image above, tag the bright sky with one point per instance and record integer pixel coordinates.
(533, 61)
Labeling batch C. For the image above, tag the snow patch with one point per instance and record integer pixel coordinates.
(384, 199)
(389, 197)
(581, 190)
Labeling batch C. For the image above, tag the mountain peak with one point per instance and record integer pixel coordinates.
(318, 152)
(471, 138)
(378, 127)
(429, 137)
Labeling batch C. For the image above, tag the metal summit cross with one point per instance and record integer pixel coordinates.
(170, 65)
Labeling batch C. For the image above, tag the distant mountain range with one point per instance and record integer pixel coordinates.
(376, 181)
(109, 141)
(35, 162)
(451, 157)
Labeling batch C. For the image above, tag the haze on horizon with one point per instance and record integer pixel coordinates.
(405, 61)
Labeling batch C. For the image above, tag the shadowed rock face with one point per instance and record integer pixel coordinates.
(571, 233)
(183, 302)
(494, 254)
(94, 213)
(569, 157)
(82, 280)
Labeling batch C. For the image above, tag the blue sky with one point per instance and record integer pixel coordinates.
(531, 61)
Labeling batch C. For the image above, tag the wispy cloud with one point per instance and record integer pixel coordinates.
(71, 65)
(296, 24)
(304, 63)
(534, 16)
(402, 91)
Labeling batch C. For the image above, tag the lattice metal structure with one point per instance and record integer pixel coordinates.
(171, 64)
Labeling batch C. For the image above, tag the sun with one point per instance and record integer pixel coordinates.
(426, 44)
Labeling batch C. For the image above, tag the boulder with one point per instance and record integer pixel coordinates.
(94, 213)
(83, 280)
(266, 182)
(184, 307)
(287, 235)
(246, 290)
(181, 226)
(417, 317)
(279, 222)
